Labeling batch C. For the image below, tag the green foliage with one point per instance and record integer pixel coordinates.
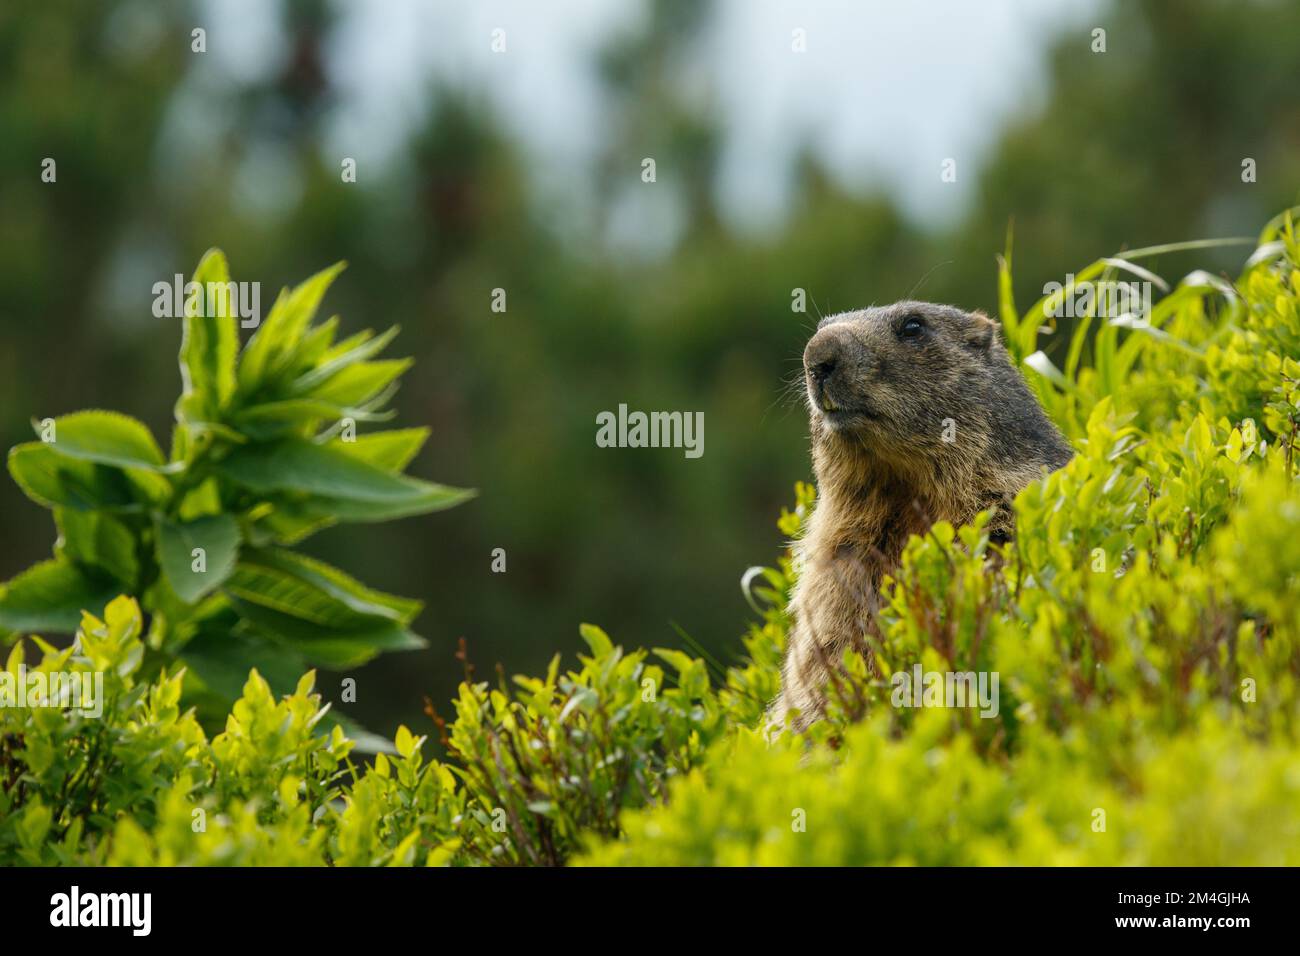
(1144, 624)
(565, 755)
(142, 785)
(263, 454)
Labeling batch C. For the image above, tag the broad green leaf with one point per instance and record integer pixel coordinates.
(99, 539)
(209, 343)
(363, 511)
(335, 583)
(357, 489)
(390, 450)
(313, 592)
(197, 556)
(317, 609)
(221, 657)
(54, 480)
(334, 647)
(51, 596)
(104, 437)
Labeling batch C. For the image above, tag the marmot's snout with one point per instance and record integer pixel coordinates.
(833, 360)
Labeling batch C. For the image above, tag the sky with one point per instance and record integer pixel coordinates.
(884, 92)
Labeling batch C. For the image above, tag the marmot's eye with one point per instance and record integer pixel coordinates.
(911, 328)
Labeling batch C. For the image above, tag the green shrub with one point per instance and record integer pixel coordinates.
(142, 784)
(264, 453)
(1144, 622)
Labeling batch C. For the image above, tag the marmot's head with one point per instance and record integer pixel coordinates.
(925, 388)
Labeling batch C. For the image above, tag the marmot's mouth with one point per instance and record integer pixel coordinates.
(839, 416)
(834, 413)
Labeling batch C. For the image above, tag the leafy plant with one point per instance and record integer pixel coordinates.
(565, 755)
(263, 454)
(142, 784)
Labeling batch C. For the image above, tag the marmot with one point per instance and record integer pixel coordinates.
(917, 414)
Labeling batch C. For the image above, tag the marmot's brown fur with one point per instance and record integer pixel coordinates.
(917, 415)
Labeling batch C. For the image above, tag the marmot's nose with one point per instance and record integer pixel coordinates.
(822, 370)
(824, 353)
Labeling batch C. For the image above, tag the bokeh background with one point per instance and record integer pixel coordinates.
(521, 170)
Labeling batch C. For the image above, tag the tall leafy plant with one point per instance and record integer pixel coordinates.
(264, 453)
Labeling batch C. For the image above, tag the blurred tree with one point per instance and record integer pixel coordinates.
(661, 107)
(86, 87)
(1143, 142)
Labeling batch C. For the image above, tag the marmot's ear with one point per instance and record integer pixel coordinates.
(982, 333)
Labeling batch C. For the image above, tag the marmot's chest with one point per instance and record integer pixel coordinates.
(875, 541)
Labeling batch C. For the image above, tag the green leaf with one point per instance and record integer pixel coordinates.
(1041, 364)
(680, 661)
(334, 583)
(315, 343)
(313, 592)
(53, 480)
(104, 437)
(338, 648)
(318, 610)
(271, 420)
(404, 742)
(357, 384)
(216, 535)
(221, 658)
(288, 520)
(202, 500)
(351, 488)
(1007, 313)
(99, 539)
(209, 343)
(50, 596)
(391, 450)
(276, 340)
(596, 639)
(322, 373)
